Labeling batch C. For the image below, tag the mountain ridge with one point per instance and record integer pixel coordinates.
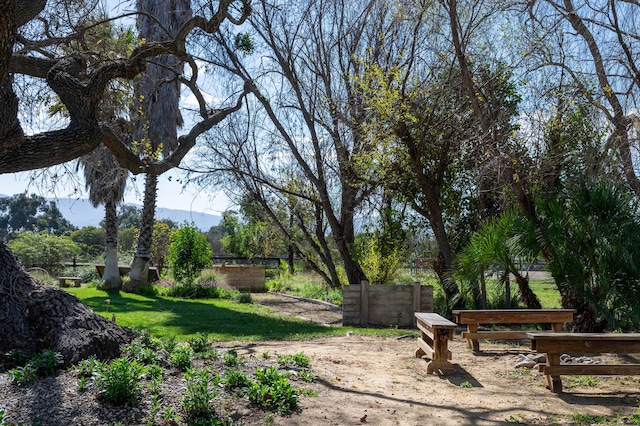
(80, 212)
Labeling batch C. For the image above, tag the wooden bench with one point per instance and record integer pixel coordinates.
(472, 318)
(435, 333)
(556, 344)
(75, 280)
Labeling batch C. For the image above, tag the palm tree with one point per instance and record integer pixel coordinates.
(156, 113)
(106, 182)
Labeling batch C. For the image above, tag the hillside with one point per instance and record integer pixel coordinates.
(81, 213)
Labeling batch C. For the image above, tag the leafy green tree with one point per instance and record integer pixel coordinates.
(162, 231)
(493, 248)
(43, 249)
(90, 239)
(382, 250)
(33, 213)
(189, 253)
(591, 232)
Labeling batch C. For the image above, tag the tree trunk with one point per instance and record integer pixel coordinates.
(35, 317)
(527, 295)
(111, 277)
(507, 290)
(139, 274)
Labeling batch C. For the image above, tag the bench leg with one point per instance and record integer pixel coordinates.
(440, 360)
(473, 343)
(553, 383)
(420, 352)
(557, 327)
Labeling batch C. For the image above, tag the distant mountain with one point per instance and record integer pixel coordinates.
(81, 213)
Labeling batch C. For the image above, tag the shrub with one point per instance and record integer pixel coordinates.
(119, 381)
(199, 394)
(273, 391)
(41, 364)
(189, 253)
(235, 379)
(42, 249)
(242, 297)
(182, 357)
(201, 343)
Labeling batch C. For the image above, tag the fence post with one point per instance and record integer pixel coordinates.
(364, 302)
(416, 301)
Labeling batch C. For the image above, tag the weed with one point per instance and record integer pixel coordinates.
(466, 384)
(306, 375)
(307, 392)
(169, 344)
(273, 391)
(182, 356)
(265, 355)
(119, 381)
(588, 419)
(235, 379)
(588, 381)
(201, 343)
(199, 394)
(231, 359)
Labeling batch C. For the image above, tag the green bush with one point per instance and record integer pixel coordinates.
(197, 401)
(42, 249)
(182, 357)
(273, 391)
(235, 379)
(41, 364)
(189, 253)
(119, 381)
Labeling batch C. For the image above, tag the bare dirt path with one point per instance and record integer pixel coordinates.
(378, 381)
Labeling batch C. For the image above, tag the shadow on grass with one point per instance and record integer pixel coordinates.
(165, 317)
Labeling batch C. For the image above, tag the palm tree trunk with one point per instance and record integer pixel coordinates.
(111, 277)
(139, 274)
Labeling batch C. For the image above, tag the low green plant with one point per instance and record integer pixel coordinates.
(466, 384)
(41, 364)
(230, 358)
(298, 360)
(197, 401)
(588, 381)
(83, 383)
(16, 357)
(235, 379)
(87, 367)
(306, 375)
(182, 357)
(22, 375)
(119, 380)
(588, 419)
(273, 391)
(242, 297)
(200, 343)
(139, 351)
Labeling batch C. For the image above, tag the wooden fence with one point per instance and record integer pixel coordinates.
(385, 305)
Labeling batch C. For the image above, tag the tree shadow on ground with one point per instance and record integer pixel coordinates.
(161, 315)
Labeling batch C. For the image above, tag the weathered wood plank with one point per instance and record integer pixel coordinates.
(514, 316)
(592, 370)
(507, 335)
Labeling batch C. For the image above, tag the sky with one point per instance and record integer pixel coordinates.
(170, 192)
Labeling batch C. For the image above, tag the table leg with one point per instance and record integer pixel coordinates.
(553, 383)
(473, 343)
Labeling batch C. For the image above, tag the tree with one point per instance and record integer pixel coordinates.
(189, 254)
(21, 212)
(43, 250)
(157, 116)
(591, 232)
(160, 243)
(31, 48)
(294, 153)
(90, 239)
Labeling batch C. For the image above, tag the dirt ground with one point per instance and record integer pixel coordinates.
(378, 381)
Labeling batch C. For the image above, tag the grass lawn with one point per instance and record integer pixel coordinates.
(547, 293)
(182, 319)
